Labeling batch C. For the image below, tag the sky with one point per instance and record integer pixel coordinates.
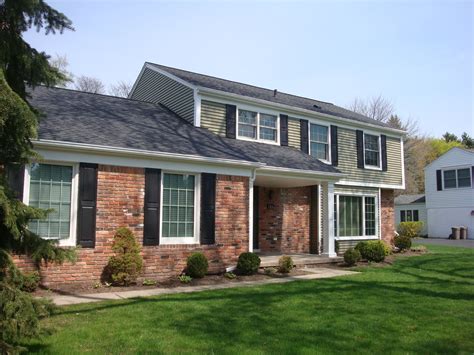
(417, 54)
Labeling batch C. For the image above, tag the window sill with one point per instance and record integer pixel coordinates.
(257, 140)
(362, 237)
(372, 167)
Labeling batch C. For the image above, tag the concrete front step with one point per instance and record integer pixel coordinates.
(298, 259)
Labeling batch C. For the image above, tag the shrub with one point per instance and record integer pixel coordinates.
(372, 250)
(248, 263)
(197, 265)
(285, 264)
(30, 281)
(270, 271)
(402, 242)
(337, 246)
(410, 229)
(387, 248)
(351, 256)
(127, 263)
(148, 282)
(230, 275)
(185, 279)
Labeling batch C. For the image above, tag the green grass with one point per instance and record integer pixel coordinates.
(420, 304)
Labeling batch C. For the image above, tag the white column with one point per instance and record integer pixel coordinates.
(251, 181)
(328, 220)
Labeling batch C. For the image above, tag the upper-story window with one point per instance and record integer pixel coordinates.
(319, 141)
(457, 178)
(372, 150)
(257, 126)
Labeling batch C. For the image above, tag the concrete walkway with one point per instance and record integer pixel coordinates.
(316, 273)
(466, 243)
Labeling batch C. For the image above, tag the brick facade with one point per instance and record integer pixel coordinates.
(284, 219)
(120, 200)
(387, 213)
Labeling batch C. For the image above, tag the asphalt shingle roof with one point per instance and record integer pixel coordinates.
(409, 199)
(79, 117)
(256, 92)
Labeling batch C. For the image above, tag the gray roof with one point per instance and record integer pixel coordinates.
(409, 199)
(74, 116)
(256, 92)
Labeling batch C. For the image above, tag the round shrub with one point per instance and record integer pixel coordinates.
(387, 248)
(197, 265)
(285, 264)
(372, 250)
(402, 242)
(248, 263)
(351, 256)
(361, 247)
(410, 229)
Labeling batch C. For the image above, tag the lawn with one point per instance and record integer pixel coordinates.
(422, 304)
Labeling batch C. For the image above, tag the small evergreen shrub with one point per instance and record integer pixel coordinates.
(351, 256)
(410, 229)
(185, 279)
(285, 264)
(30, 281)
(387, 248)
(248, 263)
(361, 247)
(230, 275)
(372, 250)
(127, 263)
(197, 265)
(402, 242)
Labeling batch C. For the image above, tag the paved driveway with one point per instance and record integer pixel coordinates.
(469, 243)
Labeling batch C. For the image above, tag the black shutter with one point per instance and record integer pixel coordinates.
(230, 121)
(86, 216)
(334, 146)
(383, 144)
(16, 179)
(402, 216)
(439, 183)
(360, 148)
(314, 221)
(151, 212)
(472, 176)
(304, 136)
(284, 130)
(208, 208)
(415, 216)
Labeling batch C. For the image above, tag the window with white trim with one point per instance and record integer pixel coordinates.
(52, 187)
(371, 150)
(257, 126)
(457, 178)
(355, 216)
(319, 141)
(178, 222)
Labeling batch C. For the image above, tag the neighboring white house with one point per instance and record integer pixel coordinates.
(449, 190)
(411, 208)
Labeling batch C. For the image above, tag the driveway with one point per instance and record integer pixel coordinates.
(469, 243)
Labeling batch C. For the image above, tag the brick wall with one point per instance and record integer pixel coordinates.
(120, 202)
(284, 219)
(387, 215)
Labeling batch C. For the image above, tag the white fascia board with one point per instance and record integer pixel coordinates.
(368, 184)
(351, 123)
(296, 173)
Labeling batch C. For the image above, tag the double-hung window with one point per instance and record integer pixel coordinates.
(409, 216)
(257, 126)
(319, 141)
(457, 178)
(355, 216)
(371, 150)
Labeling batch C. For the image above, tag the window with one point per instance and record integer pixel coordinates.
(457, 178)
(258, 126)
(371, 150)
(319, 141)
(355, 216)
(178, 207)
(409, 216)
(51, 187)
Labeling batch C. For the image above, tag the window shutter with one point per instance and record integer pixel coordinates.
(402, 216)
(86, 217)
(415, 216)
(360, 148)
(314, 221)
(383, 144)
(208, 208)
(439, 183)
(284, 130)
(304, 136)
(472, 177)
(16, 179)
(334, 146)
(230, 120)
(151, 213)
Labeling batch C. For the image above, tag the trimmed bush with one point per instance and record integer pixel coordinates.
(127, 263)
(351, 256)
(248, 263)
(387, 248)
(285, 264)
(197, 265)
(372, 250)
(410, 229)
(402, 242)
(30, 281)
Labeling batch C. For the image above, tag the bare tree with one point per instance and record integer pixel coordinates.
(377, 107)
(61, 63)
(89, 84)
(121, 89)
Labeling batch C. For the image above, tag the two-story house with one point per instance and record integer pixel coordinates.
(192, 162)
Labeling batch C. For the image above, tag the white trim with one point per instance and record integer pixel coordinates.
(197, 109)
(378, 226)
(456, 168)
(402, 153)
(329, 242)
(320, 224)
(251, 190)
(369, 184)
(328, 126)
(268, 170)
(358, 237)
(197, 211)
(379, 140)
(71, 241)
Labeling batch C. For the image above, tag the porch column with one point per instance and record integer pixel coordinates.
(327, 219)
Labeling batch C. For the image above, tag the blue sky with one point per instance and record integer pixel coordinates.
(418, 54)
